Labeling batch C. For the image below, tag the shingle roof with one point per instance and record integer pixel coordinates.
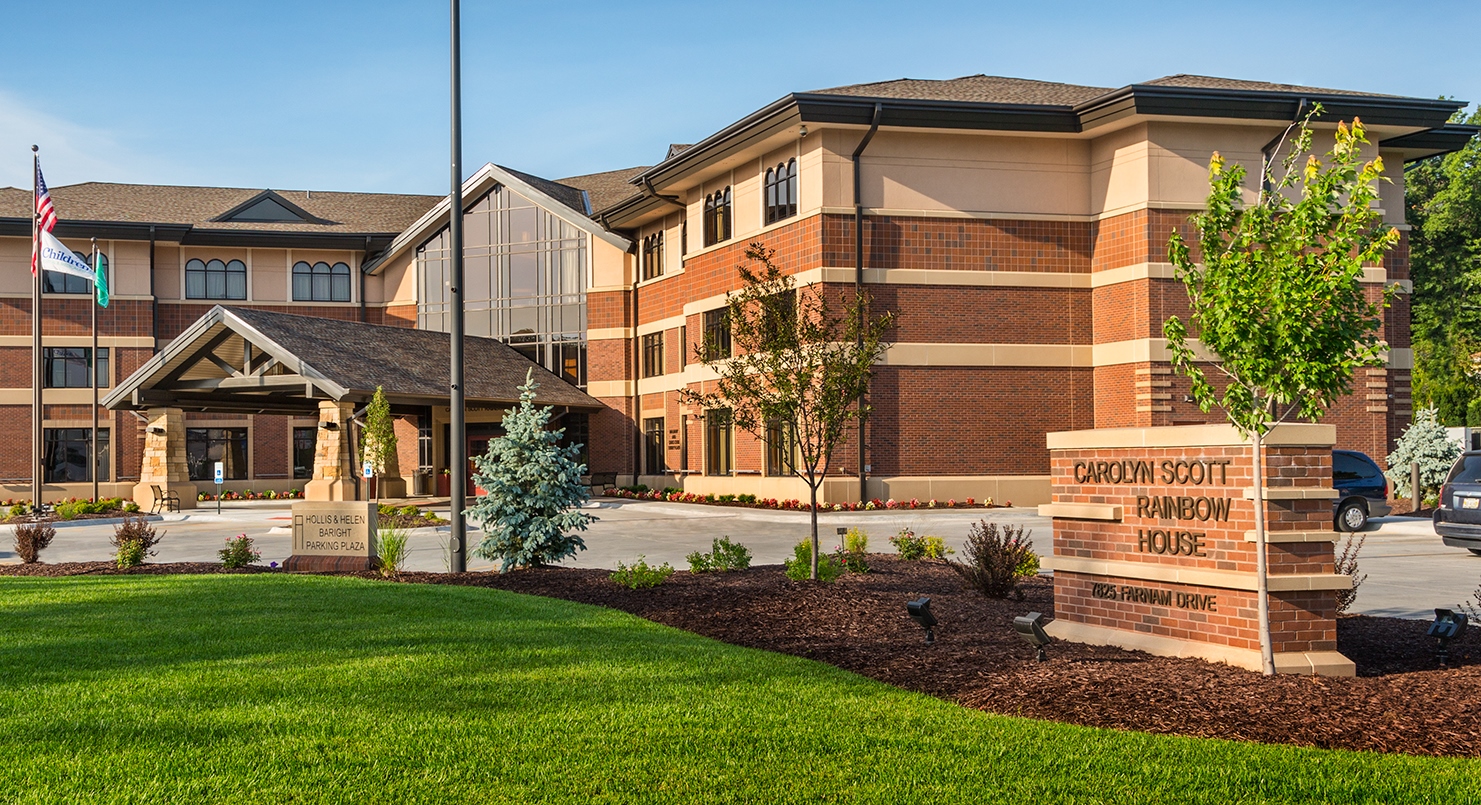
(1213, 82)
(564, 193)
(354, 213)
(407, 362)
(608, 188)
(974, 89)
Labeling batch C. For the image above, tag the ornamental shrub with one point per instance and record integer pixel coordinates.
(239, 552)
(996, 560)
(391, 547)
(31, 539)
(1425, 441)
(134, 539)
(724, 556)
(18, 510)
(853, 551)
(640, 575)
(1347, 565)
(531, 512)
(799, 567)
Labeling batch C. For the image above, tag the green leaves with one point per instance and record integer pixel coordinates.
(1276, 293)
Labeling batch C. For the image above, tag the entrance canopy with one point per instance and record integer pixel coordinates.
(248, 360)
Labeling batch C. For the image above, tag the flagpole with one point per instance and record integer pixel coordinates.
(35, 334)
(93, 370)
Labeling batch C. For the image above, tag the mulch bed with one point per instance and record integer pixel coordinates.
(1400, 702)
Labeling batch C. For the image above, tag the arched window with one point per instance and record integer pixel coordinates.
(653, 256)
(781, 191)
(717, 217)
(57, 282)
(215, 279)
(321, 282)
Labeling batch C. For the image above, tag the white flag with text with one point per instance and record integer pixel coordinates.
(59, 258)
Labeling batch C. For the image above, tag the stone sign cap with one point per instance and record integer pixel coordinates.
(1290, 433)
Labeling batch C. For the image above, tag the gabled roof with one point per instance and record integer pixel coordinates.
(973, 89)
(268, 207)
(606, 188)
(480, 183)
(254, 360)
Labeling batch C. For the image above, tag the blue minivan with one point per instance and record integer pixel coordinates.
(1362, 490)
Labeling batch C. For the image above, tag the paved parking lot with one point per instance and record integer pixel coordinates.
(1409, 571)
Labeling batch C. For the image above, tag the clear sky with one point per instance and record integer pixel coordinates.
(353, 95)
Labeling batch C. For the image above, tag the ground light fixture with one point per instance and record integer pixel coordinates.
(920, 612)
(1030, 629)
(1449, 625)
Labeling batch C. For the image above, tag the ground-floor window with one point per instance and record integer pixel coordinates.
(304, 441)
(719, 449)
(577, 431)
(653, 445)
(206, 446)
(781, 447)
(67, 449)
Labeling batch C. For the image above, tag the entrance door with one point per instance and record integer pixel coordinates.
(477, 446)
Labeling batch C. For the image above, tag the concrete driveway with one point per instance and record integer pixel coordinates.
(1409, 571)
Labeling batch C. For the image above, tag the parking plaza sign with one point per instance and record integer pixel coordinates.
(337, 535)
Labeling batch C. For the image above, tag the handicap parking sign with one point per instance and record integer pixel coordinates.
(220, 473)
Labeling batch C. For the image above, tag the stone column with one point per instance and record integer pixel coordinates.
(391, 483)
(334, 470)
(164, 460)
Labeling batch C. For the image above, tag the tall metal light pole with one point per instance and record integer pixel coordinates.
(458, 556)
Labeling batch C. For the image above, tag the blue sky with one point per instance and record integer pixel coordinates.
(353, 96)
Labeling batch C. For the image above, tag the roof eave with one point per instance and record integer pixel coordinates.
(1166, 101)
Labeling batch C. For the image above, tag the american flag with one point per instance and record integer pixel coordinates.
(45, 214)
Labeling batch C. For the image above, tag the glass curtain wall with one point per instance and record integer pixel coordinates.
(524, 281)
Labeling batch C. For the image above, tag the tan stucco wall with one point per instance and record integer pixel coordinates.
(268, 275)
(610, 266)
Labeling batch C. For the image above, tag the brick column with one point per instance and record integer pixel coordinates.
(334, 471)
(164, 464)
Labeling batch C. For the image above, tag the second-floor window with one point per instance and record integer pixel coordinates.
(67, 367)
(781, 191)
(215, 279)
(717, 217)
(653, 256)
(321, 282)
(652, 355)
(716, 334)
(57, 282)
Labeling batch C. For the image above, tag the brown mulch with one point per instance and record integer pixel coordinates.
(1400, 702)
(112, 569)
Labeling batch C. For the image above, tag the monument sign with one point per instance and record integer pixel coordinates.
(333, 536)
(1154, 544)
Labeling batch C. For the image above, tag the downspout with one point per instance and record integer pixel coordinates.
(362, 280)
(859, 270)
(153, 300)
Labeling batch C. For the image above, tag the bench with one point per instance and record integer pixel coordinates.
(169, 501)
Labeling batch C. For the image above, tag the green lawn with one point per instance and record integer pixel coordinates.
(306, 689)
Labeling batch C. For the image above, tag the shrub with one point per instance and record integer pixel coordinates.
(1424, 441)
(390, 545)
(1347, 565)
(912, 547)
(724, 556)
(996, 559)
(640, 575)
(799, 567)
(31, 539)
(134, 539)
(852, 553)
(18, 510)
(239, 552)
(130, 507)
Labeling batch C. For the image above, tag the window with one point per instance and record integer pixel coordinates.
(206, 446)
(683, 345)
(717, 217)
(781, 447)
(719, 455)
(215, 279)
(652, 355)
(653, 446)
(321, 282)
(1348, 469)
(781, 191)
(66, 455)
(67, 367)
(304, 441)
(424, 443)
(653, 256)
(779, 315)
(684, 237)
(576, 430)
(57, 282)
(717, 334)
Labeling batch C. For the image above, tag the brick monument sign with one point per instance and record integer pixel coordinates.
(1154, 544)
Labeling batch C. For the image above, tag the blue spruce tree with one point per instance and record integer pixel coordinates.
(532, 509)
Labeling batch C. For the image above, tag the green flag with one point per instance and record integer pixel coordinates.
(100, 279)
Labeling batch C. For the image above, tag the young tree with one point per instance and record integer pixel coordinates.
(531, 512)
(1278, 298)
(1426, 442)
(796, 368)
(378, 439)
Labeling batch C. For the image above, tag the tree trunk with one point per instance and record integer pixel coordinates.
(814, 512)
(1262, 585)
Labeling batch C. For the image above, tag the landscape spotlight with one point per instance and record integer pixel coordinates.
(1030, 629)
(1448, 626)
(920, 612)
(328, 426)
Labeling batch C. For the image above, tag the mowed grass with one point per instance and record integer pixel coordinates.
(306, 689)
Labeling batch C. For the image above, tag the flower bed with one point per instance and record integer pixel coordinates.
(16, 511)
(673, 495)
(267, 494)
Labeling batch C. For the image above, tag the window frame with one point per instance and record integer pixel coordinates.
(331, 274)
(101, 464)
(207, 471)
(653, 256)
(716, 323)
(294, 447)
(719, 442)
(781, 448)
(655, 462)
(779, 197)
(651, 346)
(49, 359)
(67, 280)
(718, 207)
(205, 273)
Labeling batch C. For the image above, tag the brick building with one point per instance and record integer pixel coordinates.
(1017, 227)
